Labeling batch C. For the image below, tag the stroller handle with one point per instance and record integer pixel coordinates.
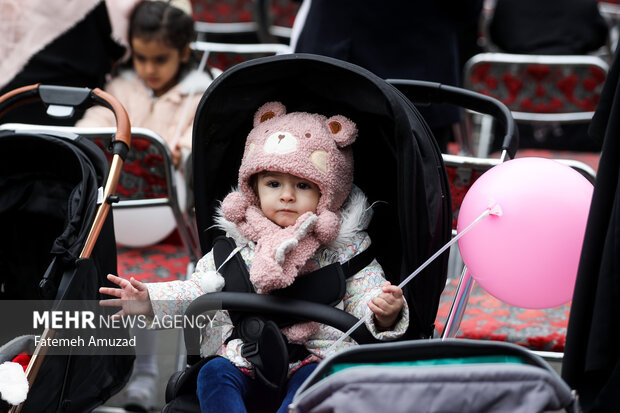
(422, 92)
(66, 96)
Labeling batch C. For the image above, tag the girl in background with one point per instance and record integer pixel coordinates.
(160, 91)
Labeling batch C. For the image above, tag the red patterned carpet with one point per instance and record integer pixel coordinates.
(161, 262)
(487, 318)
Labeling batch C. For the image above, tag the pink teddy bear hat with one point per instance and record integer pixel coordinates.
(307, 145)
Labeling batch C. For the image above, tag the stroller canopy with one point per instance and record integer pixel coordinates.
(397, 162)
(49, 191)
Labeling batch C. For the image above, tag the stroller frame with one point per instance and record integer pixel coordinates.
(62, 100)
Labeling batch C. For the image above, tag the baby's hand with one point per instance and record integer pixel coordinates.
(132, 296)
(387, 305)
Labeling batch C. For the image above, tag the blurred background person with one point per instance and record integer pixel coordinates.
(553, 27)
(395, 39)
(550, 27)
(160, 86)
(58, 42)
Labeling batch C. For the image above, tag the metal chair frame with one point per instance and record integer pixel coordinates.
(206, 47)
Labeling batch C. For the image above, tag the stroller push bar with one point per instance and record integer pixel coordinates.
(60, 102)
(422, 93)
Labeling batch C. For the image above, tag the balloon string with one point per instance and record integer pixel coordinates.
(485, 214)
(232, 254)
(491, 210)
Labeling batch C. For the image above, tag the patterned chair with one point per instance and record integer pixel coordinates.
(537, 89)
(150, 180)
(233, 31)
(260, 18)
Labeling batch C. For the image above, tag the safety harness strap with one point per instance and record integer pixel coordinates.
(326, 285)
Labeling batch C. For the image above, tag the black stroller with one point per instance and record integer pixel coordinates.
(58, 240)
(397, 162)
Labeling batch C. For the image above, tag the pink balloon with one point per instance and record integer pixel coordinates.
(528, 256)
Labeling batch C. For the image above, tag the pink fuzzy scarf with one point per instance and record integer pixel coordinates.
(281, 253)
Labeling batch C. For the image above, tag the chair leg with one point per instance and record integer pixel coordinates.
(486, 133)
(459, 304)
(455, 263)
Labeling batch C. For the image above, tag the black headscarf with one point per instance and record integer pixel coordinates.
(592, 357)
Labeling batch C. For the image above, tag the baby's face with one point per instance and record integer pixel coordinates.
(284, 197)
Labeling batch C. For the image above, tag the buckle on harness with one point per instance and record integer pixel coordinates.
(249, 349)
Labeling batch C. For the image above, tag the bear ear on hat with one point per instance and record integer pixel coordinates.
(343, 130)
(267, 111)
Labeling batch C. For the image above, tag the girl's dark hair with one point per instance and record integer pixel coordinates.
(159, 21)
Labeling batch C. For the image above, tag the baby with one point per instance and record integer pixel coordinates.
(296, 210)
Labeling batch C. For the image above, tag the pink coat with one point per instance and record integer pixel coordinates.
(163, 115)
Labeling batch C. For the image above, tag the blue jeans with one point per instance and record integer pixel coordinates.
(222, 387)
